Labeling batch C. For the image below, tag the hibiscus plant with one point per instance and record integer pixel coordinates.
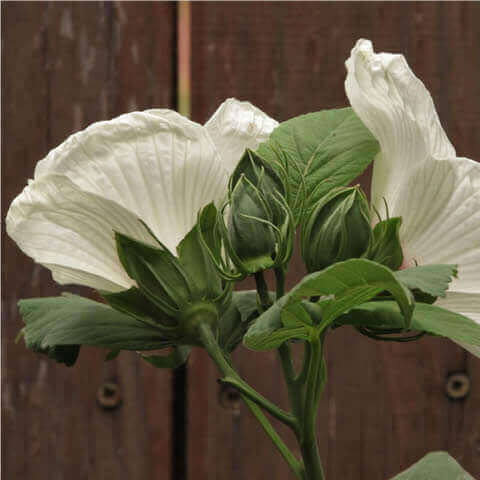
(162, 216)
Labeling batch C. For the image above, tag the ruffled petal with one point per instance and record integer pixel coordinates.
(71, 232)
(157, 164)
(397, 108)
(236, 126)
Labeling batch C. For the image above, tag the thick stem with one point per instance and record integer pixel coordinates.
(262, 289)
(308, 441)
(211, 346)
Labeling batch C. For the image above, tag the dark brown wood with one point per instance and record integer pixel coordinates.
(66, 65)
(384, 406)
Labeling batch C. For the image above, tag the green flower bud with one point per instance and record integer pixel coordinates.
(337, 229)
(250, 226)
(260, 225)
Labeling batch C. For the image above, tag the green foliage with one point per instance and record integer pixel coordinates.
(57, 326)
(345, 284)
(435, 466)
(385, 247)
(428, 318)
(319, 151)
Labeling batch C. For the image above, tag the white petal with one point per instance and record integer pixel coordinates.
(440, 207)
(157, 164)
(397, 108)
(71, 232)
(236, 126)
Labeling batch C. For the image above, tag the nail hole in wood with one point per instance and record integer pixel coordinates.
(457, 386)
(108, 396)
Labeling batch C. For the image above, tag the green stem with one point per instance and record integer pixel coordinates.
(211, 346)
(262, 289)
(308, 441)
(278, 413)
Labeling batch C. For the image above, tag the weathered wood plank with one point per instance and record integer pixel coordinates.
(66, 65)
(384, 406)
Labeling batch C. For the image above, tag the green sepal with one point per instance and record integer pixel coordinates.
(158, 274)
(175, 359)
(133, 302)
(385, 247)
(196, 260)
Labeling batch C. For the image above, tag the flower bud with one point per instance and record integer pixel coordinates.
(337, 229)
(260, 228)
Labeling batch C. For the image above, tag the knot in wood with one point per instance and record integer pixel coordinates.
(457, 386)
(108, 396)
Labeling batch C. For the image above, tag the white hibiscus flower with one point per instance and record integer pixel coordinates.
(155, 165)
(417, 172)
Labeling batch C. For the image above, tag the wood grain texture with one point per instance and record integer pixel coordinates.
(64, 66)
(384, 406)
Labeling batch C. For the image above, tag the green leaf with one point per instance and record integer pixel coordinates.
(426, 317)
(435, 466)
(430, 279)
(319, 151)
(385, 247)
(173, 360)
(349, 284)
(57, 326)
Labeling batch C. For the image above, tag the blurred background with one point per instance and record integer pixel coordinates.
(66, 65)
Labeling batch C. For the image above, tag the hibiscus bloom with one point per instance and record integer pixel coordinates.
(156, 166)
(417, 173)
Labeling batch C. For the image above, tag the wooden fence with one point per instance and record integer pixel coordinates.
(66, 65)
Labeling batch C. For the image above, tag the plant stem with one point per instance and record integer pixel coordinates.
(211, 346)
(262, 288)
(308, 441)
(278, 413)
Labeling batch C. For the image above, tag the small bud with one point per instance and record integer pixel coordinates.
(338, 229)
